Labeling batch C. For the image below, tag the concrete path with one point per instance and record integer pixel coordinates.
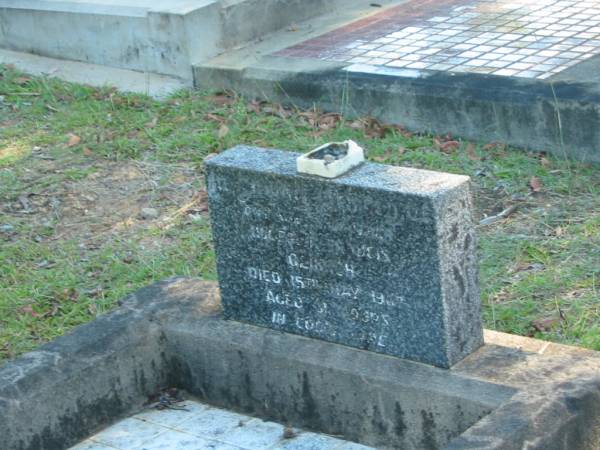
(200, 427)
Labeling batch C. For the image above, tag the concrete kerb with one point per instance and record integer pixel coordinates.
(157, 86)
(558, 116)
(511, 393)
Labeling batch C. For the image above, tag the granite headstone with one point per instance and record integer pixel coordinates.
(381, 258)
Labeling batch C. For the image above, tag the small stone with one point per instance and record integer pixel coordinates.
(289, 433)
(149, 214)
(328, 159)
(7, 228)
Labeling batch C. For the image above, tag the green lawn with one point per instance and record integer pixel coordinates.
(78, 164)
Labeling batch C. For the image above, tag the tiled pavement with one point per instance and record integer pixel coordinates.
(522, 38)
(201, 427)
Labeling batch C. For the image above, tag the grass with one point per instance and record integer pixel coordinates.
(77, 164)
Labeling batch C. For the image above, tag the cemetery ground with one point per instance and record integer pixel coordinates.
(102, 193)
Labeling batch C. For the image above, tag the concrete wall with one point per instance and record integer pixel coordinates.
(126, 41)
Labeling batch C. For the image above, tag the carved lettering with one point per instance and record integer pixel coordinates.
(297, 263)
(284, 299)
(370, 253)
(366, 316)
(266, 276)
(278, 318)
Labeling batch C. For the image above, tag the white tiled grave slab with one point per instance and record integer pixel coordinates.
(200, 427)
(526, 38)
(520, 38)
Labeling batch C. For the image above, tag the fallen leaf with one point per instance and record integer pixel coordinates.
(24, 201)
(214, 118)
(221, 99)
(357, 125)
(401, 150)
(289, 433)
(309, 116)
(95, 292)
(535, 184)
(45, 264)
(445, 145)
(5, 348)
(545, 162)
(402, 131)
(52, 311)
(105, 135)
(88, 152)
(254, 106)
(545, 324)
(329, 121)
(500, 216)
(374, 129)
(450, 146)
(28, 309)
(73, 140)
(283, 112)
(152, 123)
(498, 148)
(470, 150)
(22, 80)
(70, 294)
(525, 266)
(223, 131)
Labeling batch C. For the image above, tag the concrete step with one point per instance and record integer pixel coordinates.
(553, 106)
(154, 85)
(156, 36)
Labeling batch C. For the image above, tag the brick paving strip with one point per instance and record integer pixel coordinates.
(523, 38)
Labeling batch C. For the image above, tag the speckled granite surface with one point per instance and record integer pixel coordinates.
(381, 258)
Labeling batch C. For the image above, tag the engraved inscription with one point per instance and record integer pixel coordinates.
(317, 274)
(266, 276)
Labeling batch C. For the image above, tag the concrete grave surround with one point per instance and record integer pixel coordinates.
(512, 393)
(381, 258)
(520, 72)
